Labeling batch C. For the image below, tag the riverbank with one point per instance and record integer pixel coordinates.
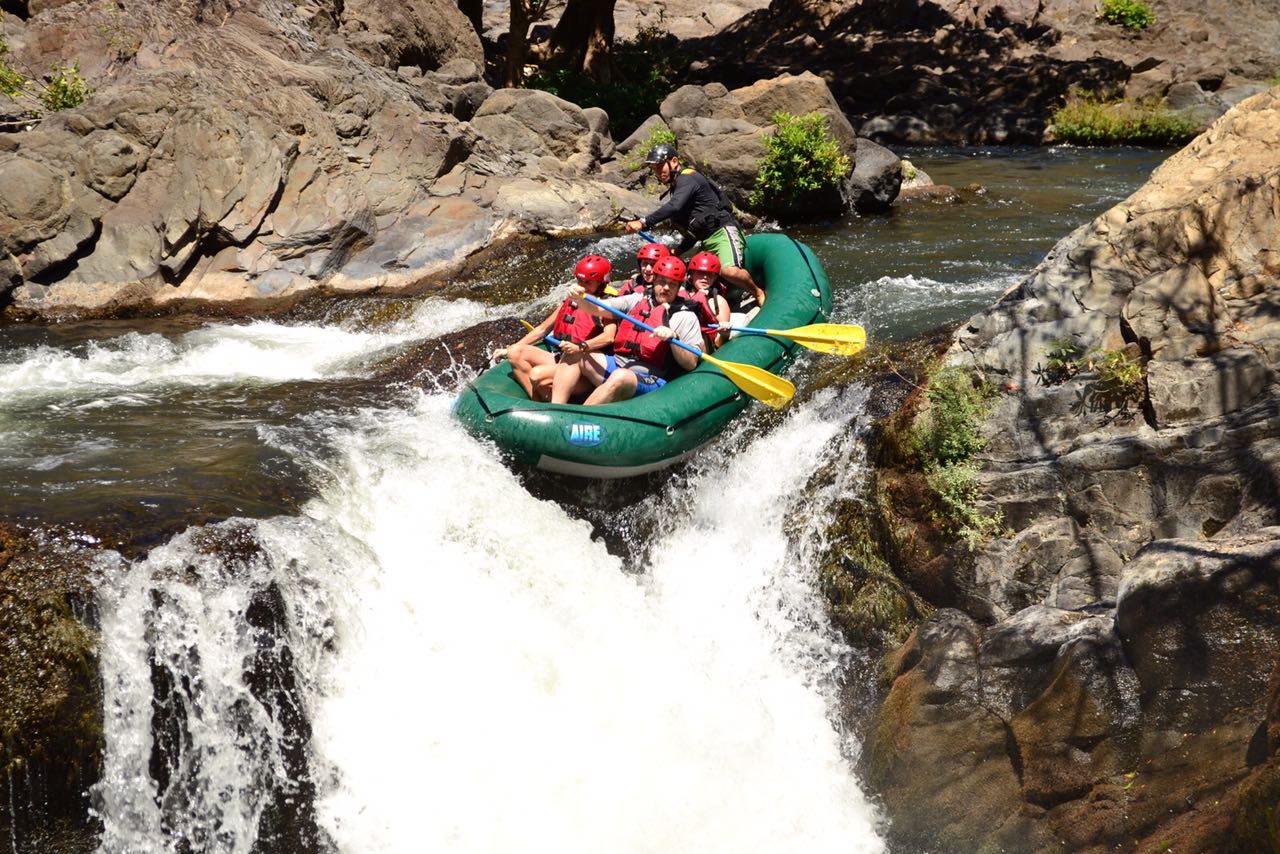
(1104, 652)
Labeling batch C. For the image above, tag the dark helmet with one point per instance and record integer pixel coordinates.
(660, 153)
(652, 252)
(593, 268)
(670, 267)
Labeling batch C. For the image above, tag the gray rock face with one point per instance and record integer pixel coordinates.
(1181, 277)
(274, 150)
(1134, 635)
(723, 134)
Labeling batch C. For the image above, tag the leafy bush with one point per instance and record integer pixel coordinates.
(1085, 120)
(1062, 362)
(1130, 14)
(659, 135)
(66, 89)
(646, 69)
(11, 82)
(801, 157)
(945, 438)
(948, 431)
(1119, 375)
(957, 486)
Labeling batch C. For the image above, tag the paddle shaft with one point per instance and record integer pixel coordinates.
(637, 322)
(649, 237)
(549, 338)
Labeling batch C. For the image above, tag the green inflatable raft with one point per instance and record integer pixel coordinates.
(647, 433)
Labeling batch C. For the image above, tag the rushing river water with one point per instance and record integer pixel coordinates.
(373, 635)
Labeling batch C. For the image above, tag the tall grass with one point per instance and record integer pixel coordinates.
(1086, 120)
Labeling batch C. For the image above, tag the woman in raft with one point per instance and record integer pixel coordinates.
(707, 293)
(578, 331)
(640, 360)
(649, 254)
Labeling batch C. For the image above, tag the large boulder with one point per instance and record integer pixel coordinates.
(253, 152)
(724, 133)
(420, 33)
(1126, 635)
(1179, 280)
(50, 688)
(538, 123)
(1058, 728)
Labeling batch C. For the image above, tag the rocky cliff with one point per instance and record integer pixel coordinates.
(1105, 673)
(982, 72)
(247, 153)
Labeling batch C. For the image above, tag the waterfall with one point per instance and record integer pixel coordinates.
(431, 658)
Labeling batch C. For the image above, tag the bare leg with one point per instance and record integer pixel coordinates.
(571, 374)
(541, 378)
(621, 385)
(524, 358)
(738, 277)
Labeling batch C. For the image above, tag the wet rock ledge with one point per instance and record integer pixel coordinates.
(1104, 673)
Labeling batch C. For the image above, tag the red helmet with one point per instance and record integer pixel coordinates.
(652, 252)
(593, 268)
(670, 267)
(704, 262)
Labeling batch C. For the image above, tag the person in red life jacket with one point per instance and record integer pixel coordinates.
(707, 294)
(648, 255)
(579, 332)
(703, 212)
(641, 360)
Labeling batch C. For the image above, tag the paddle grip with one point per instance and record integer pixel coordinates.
(750, 330)
(646, 327)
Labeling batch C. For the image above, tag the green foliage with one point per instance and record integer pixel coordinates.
(12, 83)
(1118, 385)
(945, 438)
(659, 135)
(1062, 362)
(947, 432)
(1119, 375)
(957, 486)
(66, 89)
(1130, 14)
(801, 157)
(1086, 120)
(646, 69)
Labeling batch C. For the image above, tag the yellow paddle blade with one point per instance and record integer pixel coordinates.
(769, 389)
(827, 337)
(527, 324)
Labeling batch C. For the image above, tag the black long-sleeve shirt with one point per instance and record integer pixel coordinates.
(697, 206)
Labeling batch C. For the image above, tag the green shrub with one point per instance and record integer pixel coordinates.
(1130, 14)
(659, 135)
(945, 438)
(12, 83)
(957, 486)
(801, 157)
(1086, 120)
(947, 432)
(1120, 377)
(1062, 362)
(66, 89)
(646, 69)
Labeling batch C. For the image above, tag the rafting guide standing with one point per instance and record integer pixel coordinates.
(701, 210)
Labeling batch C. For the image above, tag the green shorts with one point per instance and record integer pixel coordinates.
(727, 244)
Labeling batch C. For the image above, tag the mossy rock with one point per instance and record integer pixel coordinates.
(50, 691)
